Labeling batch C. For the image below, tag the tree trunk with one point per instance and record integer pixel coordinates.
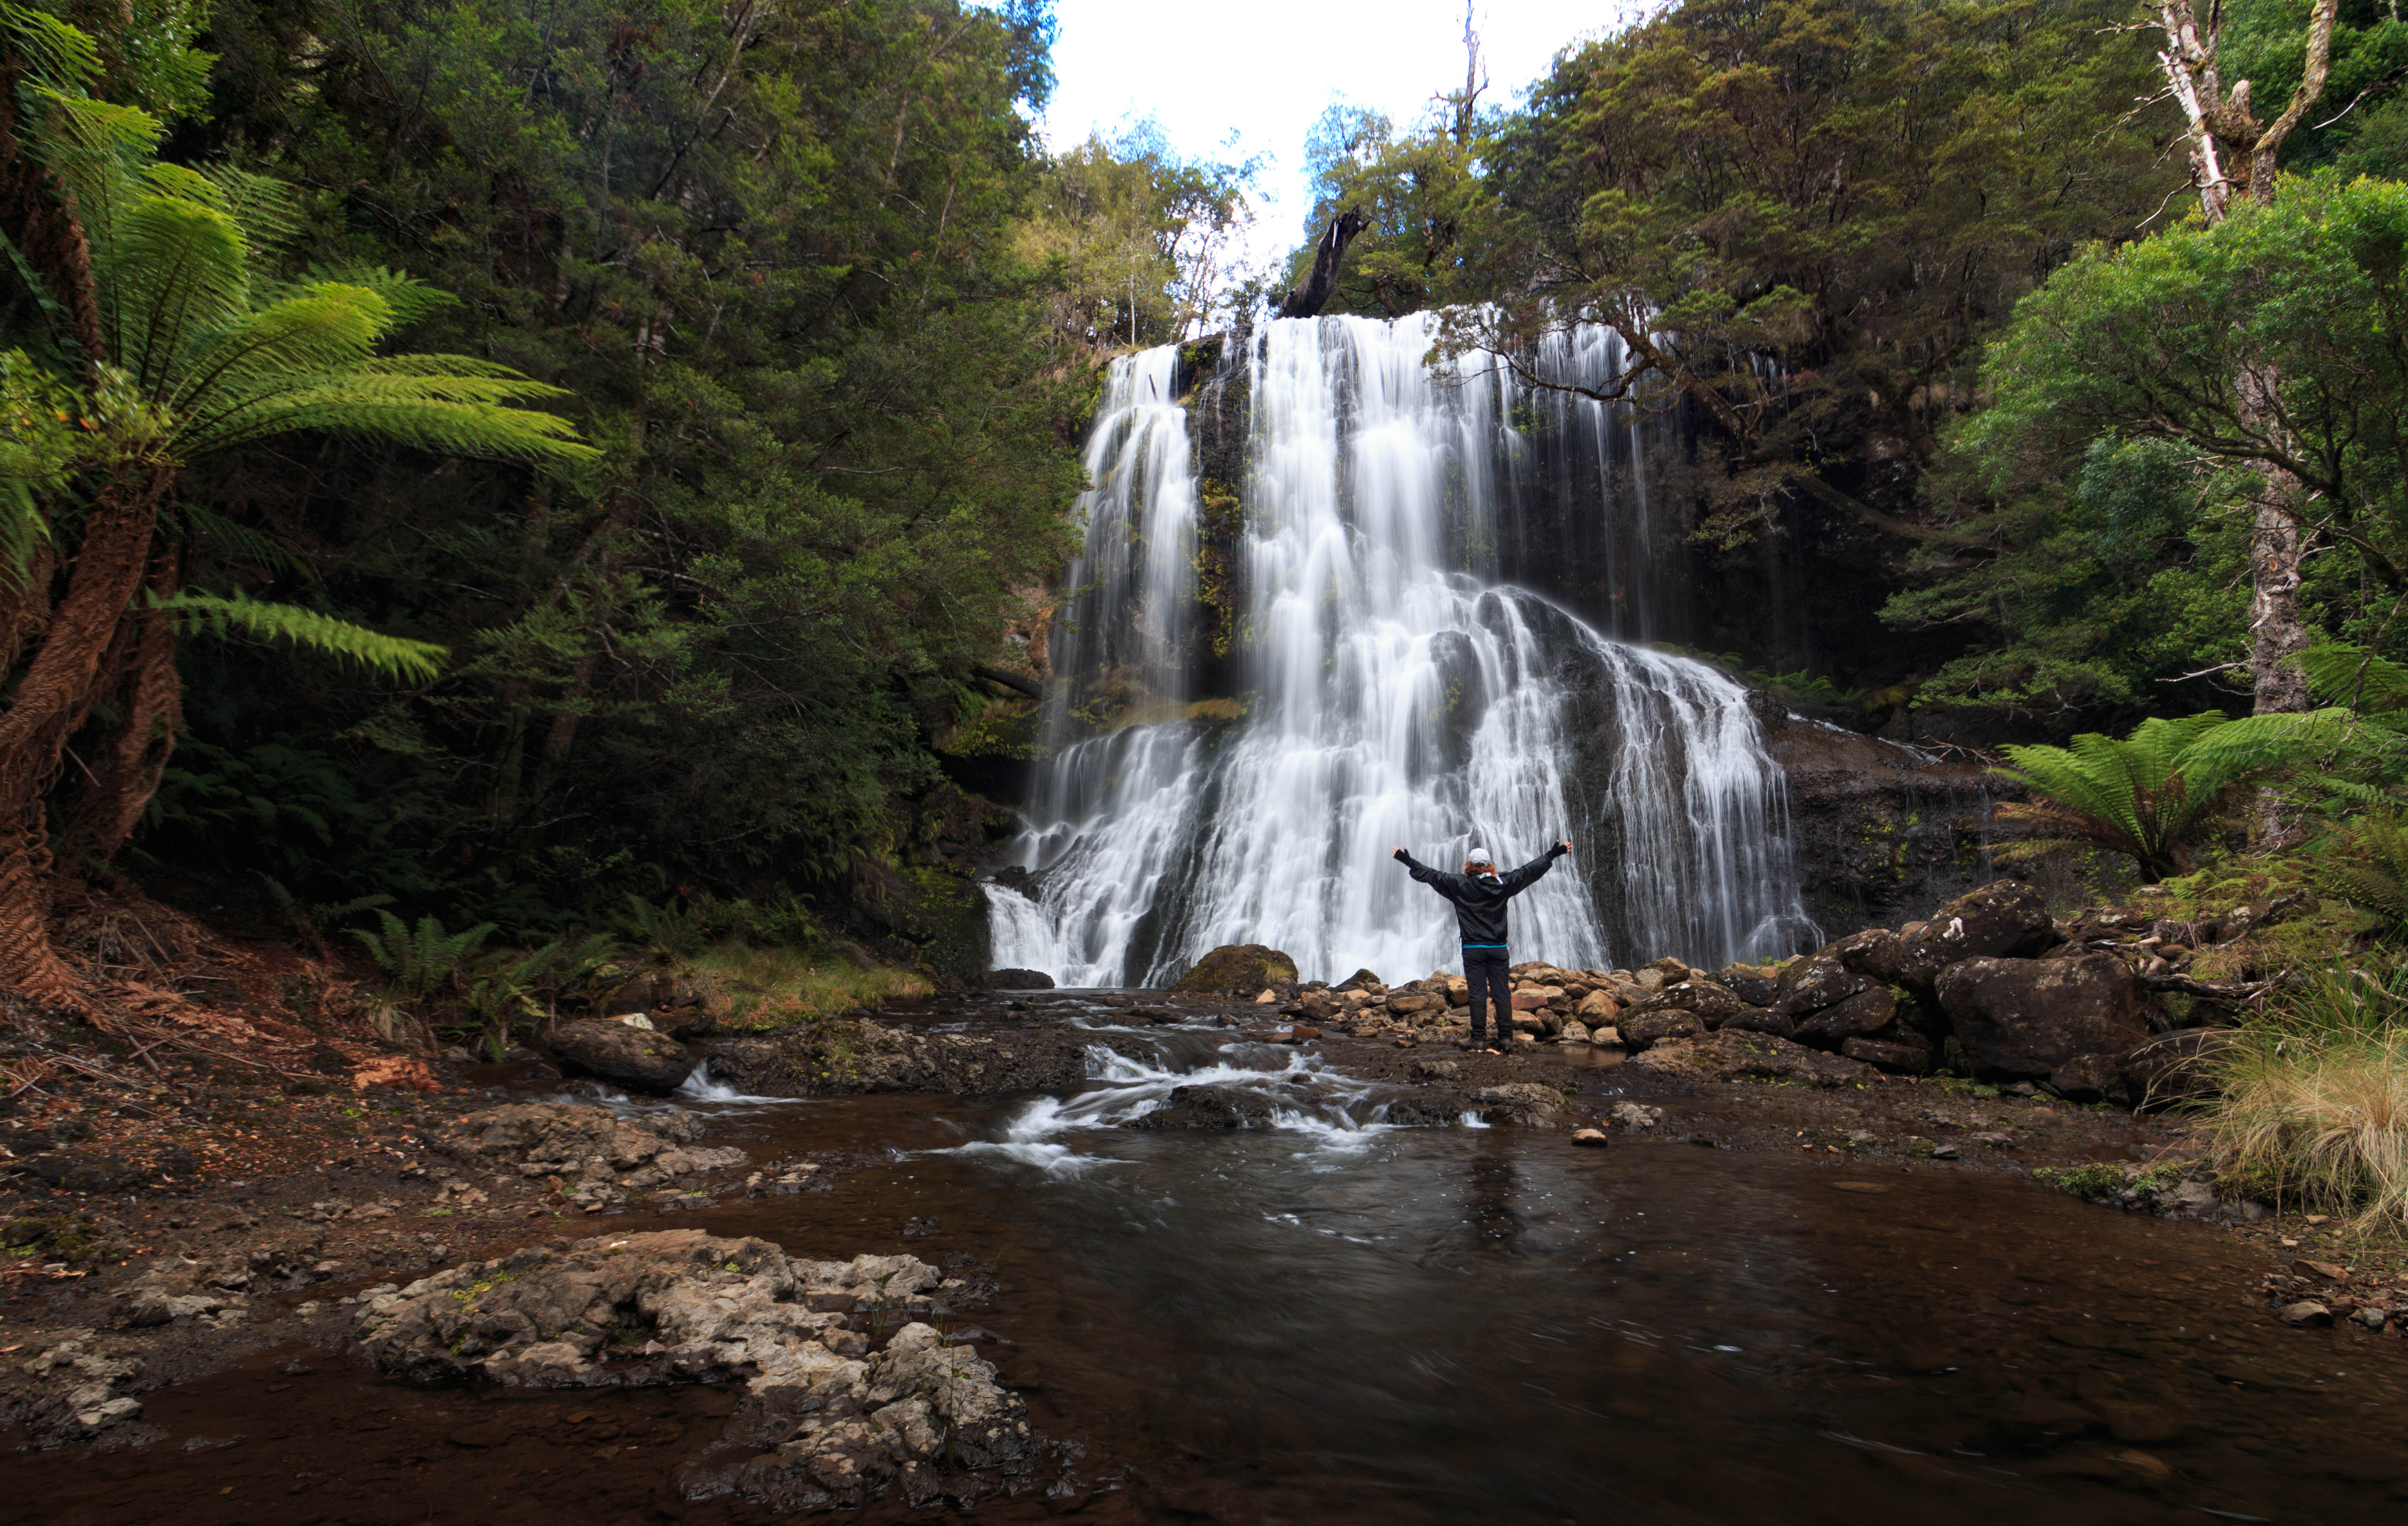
(1306, 301)
(148, 695)
(52, 698)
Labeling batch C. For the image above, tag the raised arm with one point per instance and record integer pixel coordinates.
(1529, 875)
(1423, 872)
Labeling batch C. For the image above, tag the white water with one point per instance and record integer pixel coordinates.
(1390, 695)
(1306, 1099)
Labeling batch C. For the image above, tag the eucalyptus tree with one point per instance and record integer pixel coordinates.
(168, 343)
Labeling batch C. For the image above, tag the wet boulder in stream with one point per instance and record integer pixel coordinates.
(1239, 970)
(1208, 1107)
(633, 1057)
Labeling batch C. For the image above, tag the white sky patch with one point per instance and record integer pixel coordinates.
(1264, 70)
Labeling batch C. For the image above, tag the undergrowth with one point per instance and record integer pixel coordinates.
(2311, 1106)
(767, 988)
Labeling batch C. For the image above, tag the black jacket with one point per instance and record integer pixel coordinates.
(1479, 900)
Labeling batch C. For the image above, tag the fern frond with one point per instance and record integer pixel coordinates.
(2343, 674)
(2255, 744)
(393, 656)
(176, 268)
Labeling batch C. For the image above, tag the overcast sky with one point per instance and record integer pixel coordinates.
(1265, 69)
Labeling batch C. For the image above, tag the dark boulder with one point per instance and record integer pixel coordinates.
(1865, 1013)
(633, 1057)
(1899, 1058)
(1361, 980)
(2030, 1020)
(1761, 1020)
(1709, 1002)
(1018, 980)
(1815, 982)
(2001, 920)
(1208, 1107)
(1873, 953)
(1750, 984)
(1643, 1030)
(1239, 969)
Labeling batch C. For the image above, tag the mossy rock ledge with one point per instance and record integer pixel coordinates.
(1239, 969)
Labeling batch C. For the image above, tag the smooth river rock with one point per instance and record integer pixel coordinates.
(1239, 968)
(633, 1057)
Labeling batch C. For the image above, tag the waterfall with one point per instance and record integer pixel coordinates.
(1261, 686)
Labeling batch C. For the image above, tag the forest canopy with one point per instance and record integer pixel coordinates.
(820, 319)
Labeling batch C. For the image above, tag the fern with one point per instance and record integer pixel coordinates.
(422, 959)
(392, 657)
(2151, 795)
(2370, 872)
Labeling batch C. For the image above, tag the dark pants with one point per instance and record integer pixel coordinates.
(1483, 970)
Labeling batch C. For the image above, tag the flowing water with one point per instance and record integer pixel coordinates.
(1329, 1320)
(1245, 722)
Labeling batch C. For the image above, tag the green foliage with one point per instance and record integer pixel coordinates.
(1136, 242)
(777, 257)
(392, 657)
(418, 960)
(1856, 192)
(2155, 794)
(2369, 867)
(2126, 357)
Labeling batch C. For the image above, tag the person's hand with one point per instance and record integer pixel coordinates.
(1563, 848)
(1400, 854)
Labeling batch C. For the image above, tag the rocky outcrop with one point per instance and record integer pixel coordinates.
(2064, 1022)
(1735, 1053)
(843, 1424)
(858, 1054)
(1018, 980)
(1239, 970)
(641, 1058)
(2004, 919)
(586, 1148)
(1880, 828)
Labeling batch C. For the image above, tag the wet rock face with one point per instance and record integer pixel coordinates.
(1239, 969)
(2063, 1021)
(844, 1424)
(2000, 920)
(633, 1057)
(1020, 980)
(1880, 829)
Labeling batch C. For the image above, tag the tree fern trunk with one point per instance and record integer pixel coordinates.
(143, 687)
(54, 695)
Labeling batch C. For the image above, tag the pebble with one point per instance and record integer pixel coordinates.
(2307, 1312)
(1592, 1138)
(1943, 1152)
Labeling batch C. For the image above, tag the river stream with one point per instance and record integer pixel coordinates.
(1331, 1321)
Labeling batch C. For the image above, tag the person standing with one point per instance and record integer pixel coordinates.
(1480, 894)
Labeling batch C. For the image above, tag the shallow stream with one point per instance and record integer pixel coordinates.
(1330, 1320)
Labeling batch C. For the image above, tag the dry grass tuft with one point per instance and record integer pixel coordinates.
(2312, 1110)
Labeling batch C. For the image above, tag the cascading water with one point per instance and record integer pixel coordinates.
(1251, 705)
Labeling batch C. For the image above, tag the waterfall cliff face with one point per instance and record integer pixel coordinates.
(1261, 685)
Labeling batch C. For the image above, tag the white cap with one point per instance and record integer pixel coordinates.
(1478, 855)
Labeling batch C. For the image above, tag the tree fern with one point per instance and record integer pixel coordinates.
(392, 657)
(2371, 870)
(2151, 795)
